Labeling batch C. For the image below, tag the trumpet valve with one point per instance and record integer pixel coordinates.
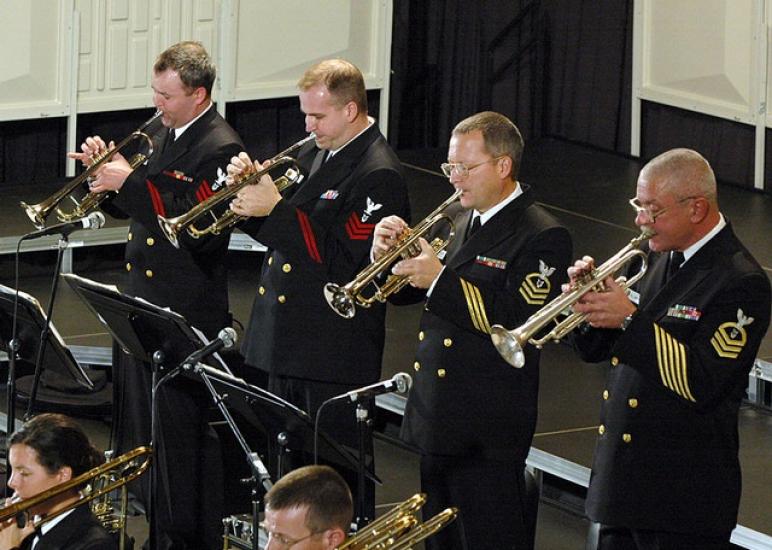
(340, 300)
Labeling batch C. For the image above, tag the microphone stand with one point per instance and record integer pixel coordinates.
(364, 424)
(260, 476)
(62, 246)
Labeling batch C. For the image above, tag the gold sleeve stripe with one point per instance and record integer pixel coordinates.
(476, 307)
(671, 360)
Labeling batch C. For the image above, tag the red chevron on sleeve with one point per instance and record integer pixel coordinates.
(308, 235)
(204, 191)
(155, 197)
(357, 230)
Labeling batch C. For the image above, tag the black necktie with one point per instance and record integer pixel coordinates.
(170, 136)
(473, 227)
(676, 259)
(318, 161)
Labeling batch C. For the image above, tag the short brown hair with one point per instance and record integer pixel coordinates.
(342, 78)
(322, 490)
(500, 135)
(192, 62)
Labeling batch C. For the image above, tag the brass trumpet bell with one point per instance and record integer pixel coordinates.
(344, 299)
(38, 213)
(173, 227)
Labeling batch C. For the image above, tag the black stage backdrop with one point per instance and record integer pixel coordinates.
(558, 68)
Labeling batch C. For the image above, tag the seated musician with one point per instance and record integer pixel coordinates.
(49, 450)
(308, 509)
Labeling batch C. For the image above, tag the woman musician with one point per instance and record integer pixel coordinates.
(48, 450)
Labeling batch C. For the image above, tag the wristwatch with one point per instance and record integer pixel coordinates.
(626, 321)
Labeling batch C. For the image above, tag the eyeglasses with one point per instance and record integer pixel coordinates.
(639, 209)
(462, 170)
(283, 541)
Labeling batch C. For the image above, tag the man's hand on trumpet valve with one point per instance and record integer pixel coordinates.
(111, 175)
(606, 308)
(386, 234)
(421, 270)
(256, 200)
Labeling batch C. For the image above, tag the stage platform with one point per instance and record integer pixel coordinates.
(588, 191)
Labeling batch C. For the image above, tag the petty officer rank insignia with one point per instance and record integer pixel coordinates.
(490, 262)
(536, 286)
(684, 312)
(730, 338)
(176, 174)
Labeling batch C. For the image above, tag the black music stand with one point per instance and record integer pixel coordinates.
(291, 428)
(150, 333)
(30, 324)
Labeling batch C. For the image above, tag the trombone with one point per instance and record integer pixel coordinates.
(38, 213)
(344, 299)
(510, 343)
(172, 227)
(99, 482)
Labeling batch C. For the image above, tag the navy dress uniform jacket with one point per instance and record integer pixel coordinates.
(466, 400)
(322, 232)
(80, 530)
(191, 280)
(667, 452)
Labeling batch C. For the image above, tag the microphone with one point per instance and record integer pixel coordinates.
(225, 339)
(399, 383)
(95, 220)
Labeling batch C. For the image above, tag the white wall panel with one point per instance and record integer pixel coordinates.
(34, 46)
(267, 44)
(700, 55)
(279, 39)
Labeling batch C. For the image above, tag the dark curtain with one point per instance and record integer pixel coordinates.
(445, 55)
(588, 49)
(32, 150)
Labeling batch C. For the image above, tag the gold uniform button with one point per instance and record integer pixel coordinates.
(627, 438)
(614, 361)
(282, 298)
(448, 342)
(601, 429)
(286, 268)
(416, 366)
(605, 394)
(128, 266)
(261, 290)
(421, 336)
(148, 273)
(270, 260)
(150, 241)
(130, 236)
(633, 402)
(441, 373)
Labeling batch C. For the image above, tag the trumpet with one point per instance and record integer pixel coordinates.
(99, 482)
(172, 227)
(399, 528)
(344, 299)
(38, 213)
(510, 343)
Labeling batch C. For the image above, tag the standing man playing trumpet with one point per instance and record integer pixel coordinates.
(192, 149)
(470, 414)
(321, 231)
(666, 473)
